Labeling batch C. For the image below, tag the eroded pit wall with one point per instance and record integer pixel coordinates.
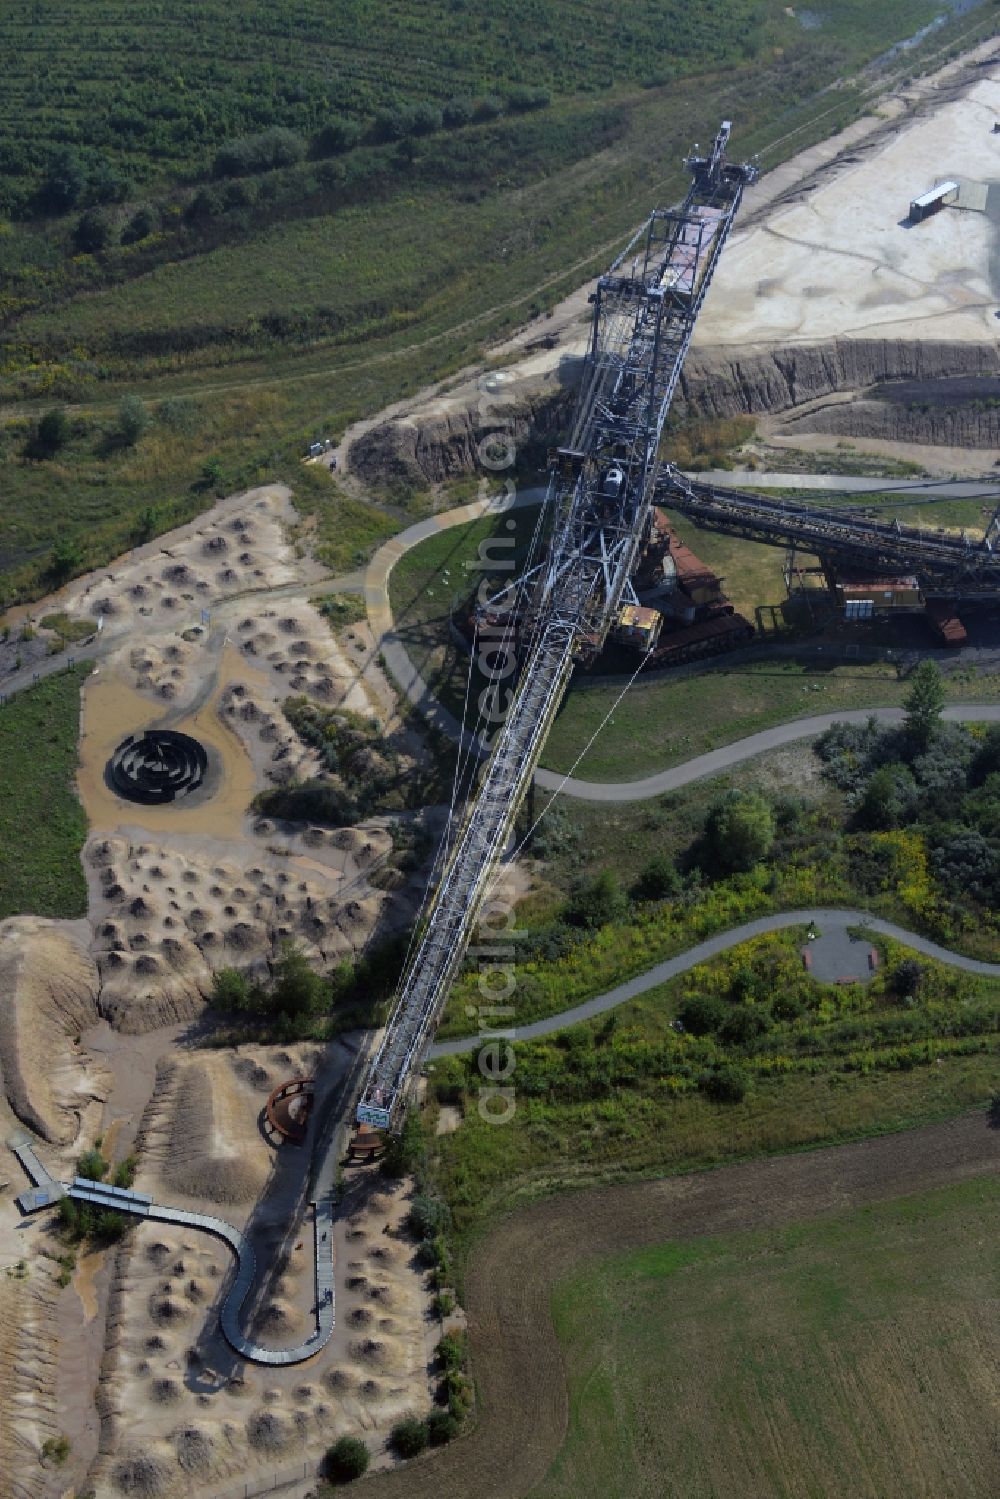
(725, 382)
(434, 446)
(761, 381)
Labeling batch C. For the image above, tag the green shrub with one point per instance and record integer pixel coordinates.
(890, 799)
(231, 991)
(658, 880)
(404, 1151)
(140, 226)
(739, 831)
(409, 1437)
(56, 1450)
(65, 559)
(124, 1175)
(336, 136)
(452, 1351)
(342, 609)
(92, 1165)
(906, 978)
(276, 147)
(428, 1216)
(743, 1025)
(442, 1427)
(725, 1085)
(459, 1392)
(80, 1220)
(702, 1014)
(92, 232)
(52, 433)
(346, 1460)
(924, 702)
(596, 902)
(133, 419)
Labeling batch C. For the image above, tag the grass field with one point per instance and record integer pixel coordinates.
(625, 1094)
(672, 718)
(577, 839)
(257, 310)
(552, 1145)
(853, 1355)
(42, 826)
(753, 575)
(668, 721)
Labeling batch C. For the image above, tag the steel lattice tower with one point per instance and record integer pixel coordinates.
(600, 498)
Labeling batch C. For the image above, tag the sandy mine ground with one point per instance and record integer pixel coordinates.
(820, 252)
(843, 260)
(171, 1388)
(207, 630)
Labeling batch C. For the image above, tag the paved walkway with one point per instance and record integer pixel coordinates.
(141, 1205)
(45, 1190)
(728, 755)
(418, 692)
(397, 659)
(827, 919)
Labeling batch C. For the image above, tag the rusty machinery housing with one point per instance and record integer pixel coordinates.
(872, 566)
(680, 611)
(289, 1107)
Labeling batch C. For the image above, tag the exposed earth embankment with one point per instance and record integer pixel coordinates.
(949, 388)
(435, 445)
(748, 382)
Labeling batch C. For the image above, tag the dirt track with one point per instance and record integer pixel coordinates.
(518, 1363)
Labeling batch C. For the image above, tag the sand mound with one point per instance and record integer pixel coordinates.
(270, 739)
(369, 1351)
(267, 1432)
(277, 1319)
(167, 1311)
(212, 1147)
(193, 1448)
(141, 1475)
(175, 575)
(48, 995)
(249, 1071)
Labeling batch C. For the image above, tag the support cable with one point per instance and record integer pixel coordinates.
(585, 751)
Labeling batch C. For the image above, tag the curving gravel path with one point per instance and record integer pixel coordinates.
(714, 761)
(825, 918)
(418, 692)
(397, 659)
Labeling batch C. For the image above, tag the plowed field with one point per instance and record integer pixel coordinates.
(899, 1357)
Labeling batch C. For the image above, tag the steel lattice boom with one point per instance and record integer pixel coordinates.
(600, 499)
(944, 562)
